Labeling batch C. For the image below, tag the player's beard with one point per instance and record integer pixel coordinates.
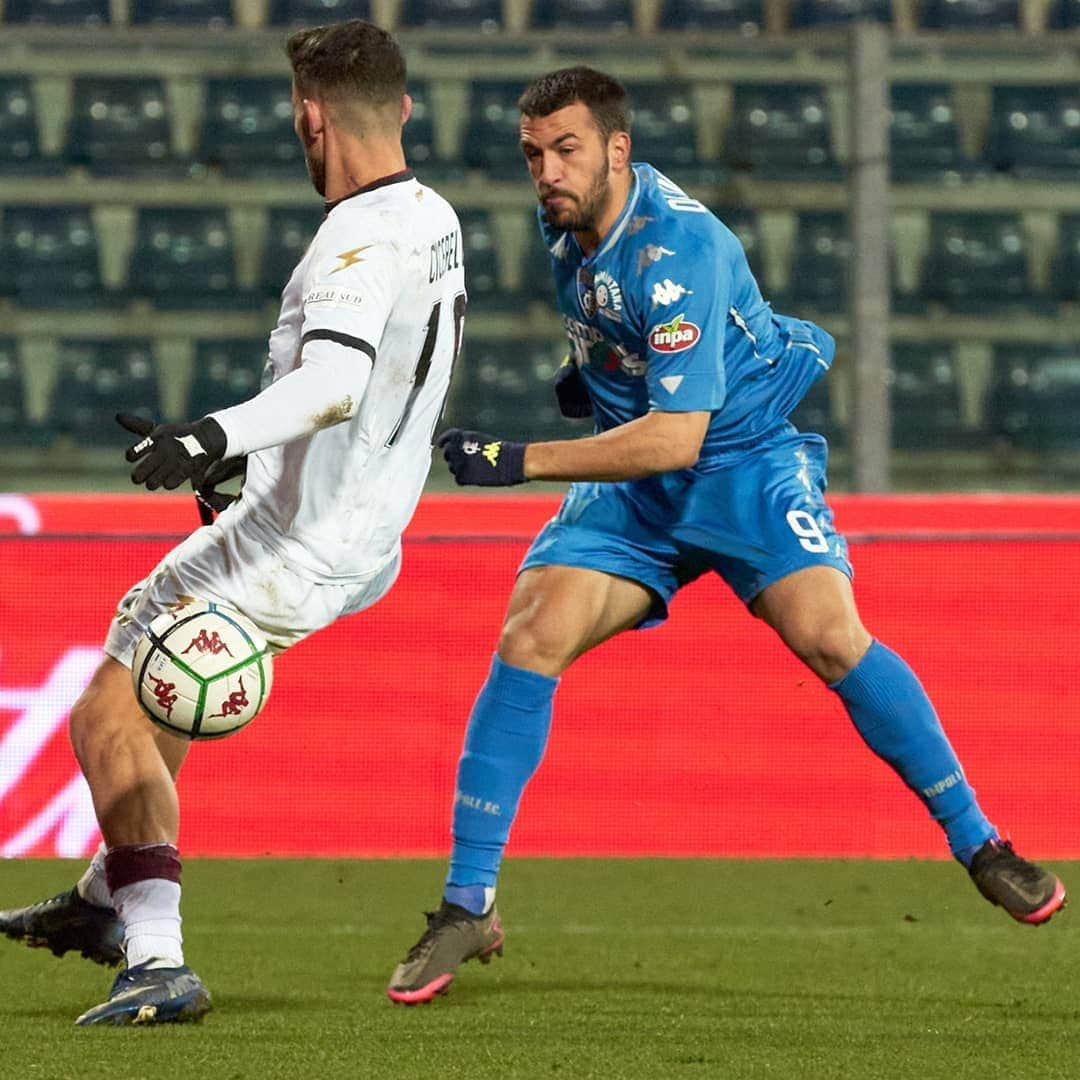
(589, 207)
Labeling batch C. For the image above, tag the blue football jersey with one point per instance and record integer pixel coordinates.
(666, 315)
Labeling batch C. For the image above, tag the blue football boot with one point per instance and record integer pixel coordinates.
(148, 995)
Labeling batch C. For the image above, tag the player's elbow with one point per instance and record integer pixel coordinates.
(683, 439)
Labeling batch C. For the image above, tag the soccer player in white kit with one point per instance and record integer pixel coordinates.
(338, 445)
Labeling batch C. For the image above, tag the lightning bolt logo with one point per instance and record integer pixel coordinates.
(349, 258)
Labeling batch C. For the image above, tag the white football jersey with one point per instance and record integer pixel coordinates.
(382, 284)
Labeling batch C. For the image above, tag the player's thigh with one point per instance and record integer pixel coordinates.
(107, 713)
(814, 612)
(556, 613)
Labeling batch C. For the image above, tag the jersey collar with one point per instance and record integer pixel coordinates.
(383, 181)
(616, 230)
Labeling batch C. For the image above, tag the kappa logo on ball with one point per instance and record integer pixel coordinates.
(674, 336)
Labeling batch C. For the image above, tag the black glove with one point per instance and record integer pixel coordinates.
(574, 400)
(172, 453)
(475, 458)
(209, 499)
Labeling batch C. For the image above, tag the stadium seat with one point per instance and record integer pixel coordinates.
(538, 283)
(183, 258)
(925, 397)
(744, 224)
(318, 12)
(1035, 131)
(1033, 399)
(924, 135)
(289, 232)
(120, 126)
(212, 13)
(611, 15)
(53, 255)
(491, 140)
(814, 413)
(818, 278)
(418, 135)
(98, 379)
(1065, 15)
(14, 422)
(781, 132)
(977, 262)
(68, 12)
(18, 125)
(248, 129)
(507, 385)
(747, 16)
(665, 131)
(483, 15)
(481, 260)
(1065, 272)
(970, 14)
(806, 13)
(226, 373)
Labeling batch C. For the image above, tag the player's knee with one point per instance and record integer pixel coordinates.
(535, 646)
(830, 648)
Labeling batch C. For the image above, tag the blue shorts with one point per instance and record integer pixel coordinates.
(753, 519)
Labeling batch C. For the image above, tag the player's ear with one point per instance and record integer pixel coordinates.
(313, 119)
(406, 108)
(619, 150)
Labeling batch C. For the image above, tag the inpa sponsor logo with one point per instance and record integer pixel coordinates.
(674, 336)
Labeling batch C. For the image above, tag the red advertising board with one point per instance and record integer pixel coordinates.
(702, 737)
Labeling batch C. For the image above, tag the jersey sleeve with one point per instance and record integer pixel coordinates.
(350, 294)
(683, 303)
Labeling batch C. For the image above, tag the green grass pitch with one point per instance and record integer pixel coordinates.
(614, 969)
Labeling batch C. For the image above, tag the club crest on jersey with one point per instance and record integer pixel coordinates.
(674, 336)
(608, 296)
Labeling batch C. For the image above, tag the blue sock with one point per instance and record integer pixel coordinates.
(504, 743)
(892, 713)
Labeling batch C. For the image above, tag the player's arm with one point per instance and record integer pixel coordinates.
(345, 311)
(654, 443)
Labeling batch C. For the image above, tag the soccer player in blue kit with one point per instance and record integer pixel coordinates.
(694, 467)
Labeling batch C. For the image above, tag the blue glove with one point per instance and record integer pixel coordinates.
(169, 454)
(475, 458)
(574, 400)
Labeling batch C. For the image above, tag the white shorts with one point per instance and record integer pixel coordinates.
(228, 567)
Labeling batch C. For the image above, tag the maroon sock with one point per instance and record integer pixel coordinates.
(129, 863)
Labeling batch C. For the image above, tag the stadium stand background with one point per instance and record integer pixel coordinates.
(153, 200)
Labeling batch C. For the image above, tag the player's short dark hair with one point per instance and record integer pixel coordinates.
(355, 61)
(604, 97)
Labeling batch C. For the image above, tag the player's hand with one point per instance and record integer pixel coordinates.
(169, 454)
(475, 458)
(574, 400)
(209, 499)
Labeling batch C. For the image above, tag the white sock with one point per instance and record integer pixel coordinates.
(150, 912)
(92, 886)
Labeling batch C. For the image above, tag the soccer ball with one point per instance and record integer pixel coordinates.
(201, 670)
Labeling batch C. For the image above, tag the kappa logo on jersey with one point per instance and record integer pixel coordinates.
(349, 258)
(667, 292)
(649, 254)
(675, 336)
